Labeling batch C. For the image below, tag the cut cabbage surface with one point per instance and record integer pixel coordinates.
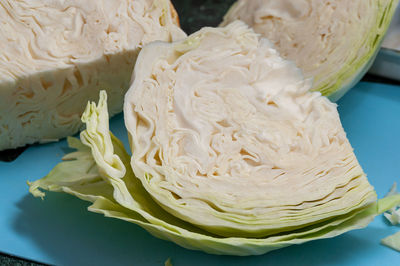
(333, 41)
(231, 152)
(226, 136)
(57, 55)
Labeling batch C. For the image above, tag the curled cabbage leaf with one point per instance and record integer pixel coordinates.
(231, 152)
(335, 42)
(57, 55)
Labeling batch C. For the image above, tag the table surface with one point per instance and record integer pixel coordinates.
(59, 230)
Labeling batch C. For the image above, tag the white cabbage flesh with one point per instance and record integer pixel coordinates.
(226, 135)
(57, 55)
(332, 41)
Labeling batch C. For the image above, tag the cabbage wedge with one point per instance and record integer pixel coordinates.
(334, 42)
(83, 173)
(231, 152)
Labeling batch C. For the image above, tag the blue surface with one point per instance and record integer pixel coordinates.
(59, 230)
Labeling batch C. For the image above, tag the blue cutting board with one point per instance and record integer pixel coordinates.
(59, 230)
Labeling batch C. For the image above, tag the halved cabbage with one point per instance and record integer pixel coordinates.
(57, 55)
(231, 152)
(335, 42)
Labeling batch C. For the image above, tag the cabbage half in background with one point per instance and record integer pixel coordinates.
(231, 152)
(334, 42)
(56, 55)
